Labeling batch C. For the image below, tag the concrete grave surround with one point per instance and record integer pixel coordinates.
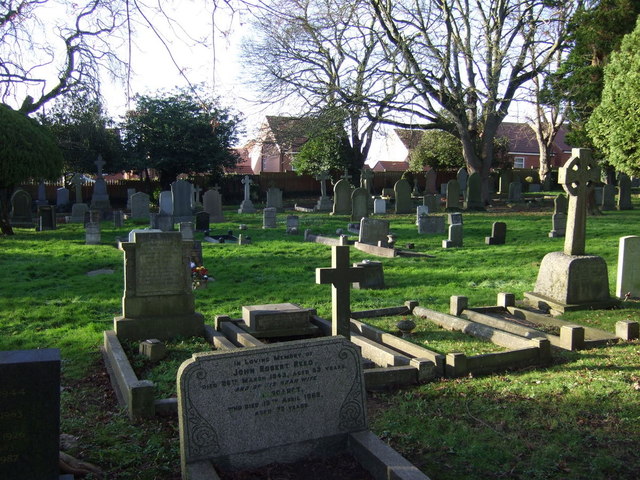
(473, 197)
(30, 414)
(342, 198)
(181, 191)
(158, 299)
(628, 279)
(498, 234)
(359, 204)
(373, 231)
(140, 206)
(212, 204)
(277, 403)
(21, 215)
(572, 280)
(453, 195)
(279, 320)
(402, 190)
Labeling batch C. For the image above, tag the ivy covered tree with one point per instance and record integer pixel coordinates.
(176, 133)
(439, 149)
(27, 151)
(614, 125)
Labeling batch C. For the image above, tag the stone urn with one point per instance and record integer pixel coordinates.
(406, 326)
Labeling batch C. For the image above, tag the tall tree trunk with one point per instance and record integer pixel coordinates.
(5, 221)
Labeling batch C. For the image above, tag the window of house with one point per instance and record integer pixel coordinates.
(518, 162)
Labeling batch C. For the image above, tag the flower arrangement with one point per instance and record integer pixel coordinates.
(199, 276)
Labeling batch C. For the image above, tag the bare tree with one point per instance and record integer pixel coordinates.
(463, 62)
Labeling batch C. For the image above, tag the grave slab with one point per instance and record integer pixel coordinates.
(279, 320)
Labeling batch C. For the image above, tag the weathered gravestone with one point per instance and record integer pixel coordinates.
(402, 190)
(462, 176)
(453, 196)
(77, 182)
(342, 197)
(158, 299)
(559, 217)
(280, 403)
(473, 198)
(293, 224)
(92, 233)
(498, 234)
(202, 221)
(42, 194)
(186, 230)
(78, 212)
(506, 177)
(21, 215)
(373, 276)
(373, 231)
(130, 193)
(279, 320)
(515, 192)
(366, 180)
(432, 202)
(247, 206)
(274, 199)
(118, 218)
(359, 204)
(455, 236)
(430, 224)
(181, 193)
(140, 206)
(572, 280)
(624, 192)
(453, 218)
(379, 206)
(30, 414)
(100, 197)
(269, 217)
(421, 210)
(628, 278)
(46, 218)
(608, 197)
(165, 203)
(430, 182)
(212, 204)
(62, 198)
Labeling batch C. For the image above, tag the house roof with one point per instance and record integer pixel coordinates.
(243, 167)
(387, 166)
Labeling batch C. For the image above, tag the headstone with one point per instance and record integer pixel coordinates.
(280, 403)
(42, 194)
(388, 193)
(373, 231)
(274, 199)
(628, 278)
(202, 221)
(560, 204)
(379, 206)
(515, 192)
(366, 180)
(608, 197)
(462, 176)
(212, 202)
(506, 177)
(130, 193)
(246, 206)
(158, 299)
(597, 199)
(453, 196)
(279, 320)
(341, 275)
(455, 236)
(432, 202)
(402, 191)
(78, 212)
(132, 233)
(498, 234)
(443, 189)
(534, 187)
(293, 224)
(165, 203)
(342, 198)
(186, 230)
(196, 204)
(324, 202)
(21, 215)
(269, 217)
(62, 198)
(359, 204)
(430, 182)
(373, 276)
(164, 222)
(181, 193)
(77, 182)
(140, 206)
(572, 280)
(473, 198)
(558, 225)
(624, 192)
(421, 210)
(118, 218)
(46, 218)
(100, 197)
(30, 414)
(454, 218)
(92, 234)
(430, 224)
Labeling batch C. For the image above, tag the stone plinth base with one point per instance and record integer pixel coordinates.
(247, 207)
(160, 327)
(571, 282)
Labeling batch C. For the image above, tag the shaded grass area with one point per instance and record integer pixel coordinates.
(576, 419)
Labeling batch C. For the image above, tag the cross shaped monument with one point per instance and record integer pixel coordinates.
(246, 181)
(577, 177)
(76, 181)
(341, 275)
(100, 165)
(345, 175)
(322, 178)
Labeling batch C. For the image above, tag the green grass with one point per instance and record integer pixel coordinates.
(576, 419)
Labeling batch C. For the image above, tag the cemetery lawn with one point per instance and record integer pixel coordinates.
(577, 418)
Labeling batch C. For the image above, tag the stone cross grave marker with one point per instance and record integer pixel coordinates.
(100, 197)
(324, 203)
(366, 178)
(76, 181)
(577, 178)
(247, 206)
(341, 275)
(30, 414)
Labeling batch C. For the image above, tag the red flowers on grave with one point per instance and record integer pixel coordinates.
(199, 276)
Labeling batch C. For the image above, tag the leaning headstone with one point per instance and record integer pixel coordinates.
(62, 198)
(462, 176)
(21, 215)
(359, 204)
(100, 197)
(158, 299)
(181, 193)
(274, 199)
(628, 279)
(373, 231)
(432, 202)
(30, 414)
(269, 217)
(498, 234)
(78, 212)
(473, 198)
(402, 190)
(202, 221)
(515, 192)
(608, 197)
(624, 192)
(430, 182)
(212, 203)
(379, 206)
(453, 196)
(342, 197)
(140, 206)
(247, 206)
(430, 224)
(46, 218)
(455, 236)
